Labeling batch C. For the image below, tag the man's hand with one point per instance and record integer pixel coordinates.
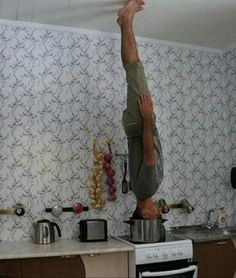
(146, 108)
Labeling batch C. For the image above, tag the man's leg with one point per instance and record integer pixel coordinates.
(136, 80)
(129, 52)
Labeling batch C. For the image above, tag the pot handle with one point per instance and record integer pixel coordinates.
(163, 220)
(129, 222)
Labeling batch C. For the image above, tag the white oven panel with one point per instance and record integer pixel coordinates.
(172, 252)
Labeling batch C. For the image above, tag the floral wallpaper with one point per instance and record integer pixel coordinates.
(230, 58)
(59, 90)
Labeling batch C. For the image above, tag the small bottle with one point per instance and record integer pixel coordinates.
(221, 218)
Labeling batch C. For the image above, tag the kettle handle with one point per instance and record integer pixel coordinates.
(58, 229)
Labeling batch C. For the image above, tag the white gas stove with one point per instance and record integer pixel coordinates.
(161, 259)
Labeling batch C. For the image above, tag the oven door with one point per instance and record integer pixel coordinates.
(168, 270)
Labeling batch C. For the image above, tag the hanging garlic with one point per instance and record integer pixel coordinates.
(96, 178)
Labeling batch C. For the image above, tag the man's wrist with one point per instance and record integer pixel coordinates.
(147, 121)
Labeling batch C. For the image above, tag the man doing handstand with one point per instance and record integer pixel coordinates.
(145, 152)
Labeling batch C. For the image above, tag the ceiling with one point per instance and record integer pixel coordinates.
(203, 23)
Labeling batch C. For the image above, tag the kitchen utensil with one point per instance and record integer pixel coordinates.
(233, 177)
(187, 206)
(18, 210)
(163, 205)
(78, 208)
(44, 232)
(125, 185)
(57, 209)
(184, 204)
(146, 230)
(93, 230)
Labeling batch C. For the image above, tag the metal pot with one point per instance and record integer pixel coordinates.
(146, 230)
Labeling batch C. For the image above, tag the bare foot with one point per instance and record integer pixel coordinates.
(128, 11)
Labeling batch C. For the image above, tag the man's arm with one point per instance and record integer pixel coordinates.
(146, 109)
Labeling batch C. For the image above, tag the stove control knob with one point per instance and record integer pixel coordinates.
(165, 255)
(180, 252)
(148, 255)
(155, 254)
(173, 253)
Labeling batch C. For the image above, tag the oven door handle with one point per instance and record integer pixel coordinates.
(169, 272)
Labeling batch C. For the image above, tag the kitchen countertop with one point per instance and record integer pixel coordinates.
(62, 247)
(199, 234)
